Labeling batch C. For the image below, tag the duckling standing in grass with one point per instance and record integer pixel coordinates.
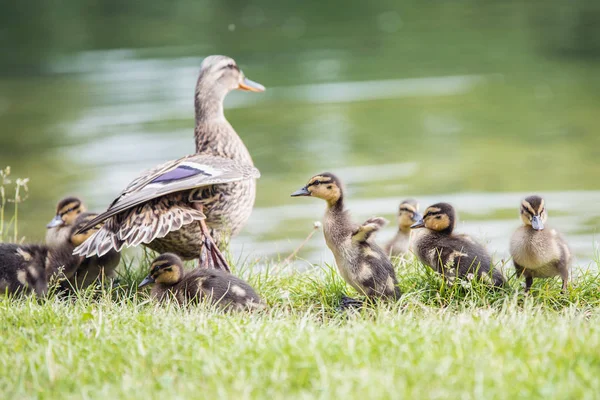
(361, 262)
(219, 287)
(93, 268)
(408, 214)
(451, 254)
(539, 252)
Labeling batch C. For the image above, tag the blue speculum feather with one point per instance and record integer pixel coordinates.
(181, 172)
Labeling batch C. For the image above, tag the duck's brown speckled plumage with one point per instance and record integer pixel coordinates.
(224, 187)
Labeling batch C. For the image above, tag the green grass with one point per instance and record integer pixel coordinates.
(437, 342)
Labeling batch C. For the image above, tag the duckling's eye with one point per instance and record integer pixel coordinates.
(316, 183)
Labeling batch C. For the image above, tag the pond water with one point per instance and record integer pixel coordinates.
(475, 104)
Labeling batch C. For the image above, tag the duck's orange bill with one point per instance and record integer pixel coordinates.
(252, 86)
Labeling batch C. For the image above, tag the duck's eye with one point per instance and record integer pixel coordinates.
(316, 183)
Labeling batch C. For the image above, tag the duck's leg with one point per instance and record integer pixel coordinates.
(210, 255)
(528, 283)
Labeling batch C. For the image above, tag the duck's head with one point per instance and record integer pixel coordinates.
(533, 212)
(166, 269)
(220, 75)
(67, 211)
(82, 220)
(439, 217)
(325, 186)
(408, 214)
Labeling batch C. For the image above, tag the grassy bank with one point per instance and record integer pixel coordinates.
(437, 342)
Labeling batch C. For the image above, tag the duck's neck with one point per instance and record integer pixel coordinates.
(208, 105)
(213, 133)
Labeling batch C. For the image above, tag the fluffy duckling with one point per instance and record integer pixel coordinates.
(538, 252)
(59, 228)
(450, 254)
(28, 268)
(92, 269)
(361, 262)
(219, 287)
(408, 214)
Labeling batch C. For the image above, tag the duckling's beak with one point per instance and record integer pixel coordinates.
(247, 84)
(302, 192)
(147, 280)
(419, 224)
(417, 216)
(56, 221)
(536, 223)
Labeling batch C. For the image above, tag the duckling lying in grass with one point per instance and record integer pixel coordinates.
(92, 269)
(361, 262)
(29, 267)
(450, 254)
(408, 214)
(219, 287)
(539, 252)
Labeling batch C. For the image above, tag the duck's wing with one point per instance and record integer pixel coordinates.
(186, 173)
(370, 226)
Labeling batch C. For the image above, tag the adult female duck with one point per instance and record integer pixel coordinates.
(191, 205)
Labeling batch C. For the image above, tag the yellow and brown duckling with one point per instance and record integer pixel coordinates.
(452, 255)
(408, 214)
(538, 251)
(361, 262)
(60, 227)
(92, 269)
(189, 206)
(29, 267)
(218, 287)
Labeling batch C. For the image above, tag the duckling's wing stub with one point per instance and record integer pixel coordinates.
(370, 226)
(187, 173)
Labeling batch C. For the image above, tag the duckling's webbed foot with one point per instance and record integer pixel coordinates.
(348, 303)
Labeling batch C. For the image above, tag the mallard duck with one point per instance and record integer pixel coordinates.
(191, 205)
(29, 267)
(59, 228)
(219, 287)
(539, 252)
(452, 255)
(408, 214)
(361, 262)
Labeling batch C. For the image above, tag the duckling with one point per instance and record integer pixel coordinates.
(538, 252)
(452, 255)
(22, 268)
(29, 267)
(93, 268)
(361, 262)
(58, 229)
(219, 287)
(408, 214)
